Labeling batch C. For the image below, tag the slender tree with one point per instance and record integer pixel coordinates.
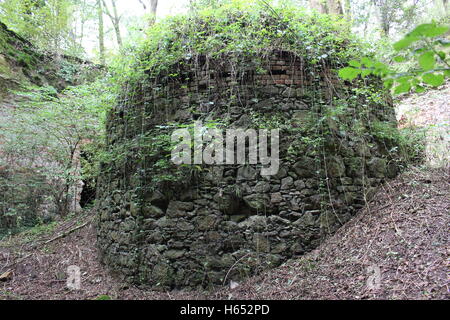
(318, 5)
(334, 7)
(115, 19)
(347, 6)
(327, 6)
(153, 8)
(101, 33)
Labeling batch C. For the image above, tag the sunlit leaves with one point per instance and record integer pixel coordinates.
(429, 30)
(380, 69)
(405, 43)
(366, 72)
(399, 59)
(430, 68)
(427, 61)
(349, 73)
(426, 30)
(432, 79)
(419, 89)
(364, 67)
(388, 83)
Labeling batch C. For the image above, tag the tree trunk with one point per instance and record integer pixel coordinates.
(327, 6)
(115, 20)
(101, 33)
(116, 24)
(347, 10)
(153, 7)
(334, 7)
(118, 36)
(318, 5)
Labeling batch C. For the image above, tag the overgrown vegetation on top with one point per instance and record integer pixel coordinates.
(235, 30)
(232, 33)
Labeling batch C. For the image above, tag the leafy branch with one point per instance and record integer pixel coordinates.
(424, 46)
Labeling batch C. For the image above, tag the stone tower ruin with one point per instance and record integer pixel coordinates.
(199, 225)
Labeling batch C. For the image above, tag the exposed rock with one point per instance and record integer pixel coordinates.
(152, 211)
(276, 198)
(377, 167)
(287, 183)
(305, 168)
(246, 173)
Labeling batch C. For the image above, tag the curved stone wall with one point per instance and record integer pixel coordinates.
(208, 224)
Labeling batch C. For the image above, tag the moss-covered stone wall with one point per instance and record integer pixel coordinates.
(169, 226)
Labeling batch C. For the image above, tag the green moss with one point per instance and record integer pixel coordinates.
(4, 67)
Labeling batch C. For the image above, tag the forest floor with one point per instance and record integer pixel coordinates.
(395, 248)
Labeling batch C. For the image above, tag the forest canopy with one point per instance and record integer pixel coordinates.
(98, 29)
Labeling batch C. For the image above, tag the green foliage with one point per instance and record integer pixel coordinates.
(235, 30)
(45, 132)
(408, 143)
(422, 45)
(21, 192)
(44, 23)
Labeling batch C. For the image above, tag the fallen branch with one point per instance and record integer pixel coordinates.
(65, 234)
(241, 258)
(62, 235)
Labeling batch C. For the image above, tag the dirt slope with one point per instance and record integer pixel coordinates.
(38, 266)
